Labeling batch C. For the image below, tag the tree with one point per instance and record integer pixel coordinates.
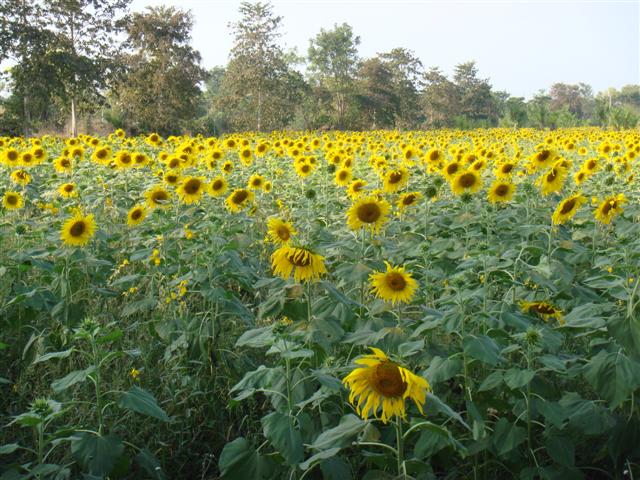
(576, 99)
(406, 71)
(439, 99)
(159, 90)
(259, 90)
(378, 101)
(475, 100)
(86, 41)
(539, 111)
(333, 62)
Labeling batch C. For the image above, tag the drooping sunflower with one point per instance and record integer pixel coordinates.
(609, 208)
(504, 169)
(501, 191)
(239, 199)
(279, 231)
(12, 200)
(78, 230)
(68, 190)
(567, 208)
(304, 264)
(157, 197)
(355, 188)
(136, 215)
(467, 181)
(368, 212)
(20, 177)
(395, 285)
(218, 186)
(408, 199)
(191, 190)
(543, 309)
(395, 180)
(381, 386)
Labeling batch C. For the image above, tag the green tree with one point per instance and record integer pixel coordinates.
(378, 101)
(87, 41)
(259, 90)
(539, 111)
(439, 99)
(407, 72)
(333, 63)
(475, 100)
(160, 88)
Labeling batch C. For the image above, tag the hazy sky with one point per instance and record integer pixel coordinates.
(522, 46)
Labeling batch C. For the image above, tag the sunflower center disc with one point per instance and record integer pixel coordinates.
(299, 258)
(77, 229)
(396, 281)
(283, 233)
(239, 197)
(502, 190)
(369, 212)
(568, 206)
(467, 180)
(192, 187)
(387, 381)
(395, 177)
(12, 200)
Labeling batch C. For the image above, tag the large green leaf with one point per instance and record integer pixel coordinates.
(507, 436)
(97, 454)
(482, 348)
(613, 375)
(140, 401)
(339, 436)
(240, 461)
(279, 430)
(71, 379)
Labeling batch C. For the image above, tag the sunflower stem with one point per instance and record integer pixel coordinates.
(400, 448)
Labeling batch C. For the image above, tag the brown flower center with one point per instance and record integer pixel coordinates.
(136, 214)
(369, 212)
(395, 281)
(217, 185)
(409, 199)
(568, 206)
(283, 233)
(192, 186)
(299, 258)
(78, 228)
(159, 196)
(12, 200)
(467, 180)
(239, 197)
(395, 177)
(387, 381)
(502, 190)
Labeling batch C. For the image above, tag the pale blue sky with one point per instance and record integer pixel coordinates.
(520, 45)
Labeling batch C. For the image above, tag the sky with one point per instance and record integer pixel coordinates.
(521, 46)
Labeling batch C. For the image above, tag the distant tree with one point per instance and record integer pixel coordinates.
(475, 101)
(160, 88)
(407, 72)
(378, 100)
(539, 111)
(439, 99)
(87, 42)
(259, 90)
(333, 63)
(576, 99)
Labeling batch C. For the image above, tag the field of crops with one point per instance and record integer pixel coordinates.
(333, 305)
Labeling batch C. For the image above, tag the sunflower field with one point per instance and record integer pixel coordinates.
(321, 305)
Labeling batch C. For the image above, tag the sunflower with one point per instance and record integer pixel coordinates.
(20, 177)
(267, 187)
(239, 199)
(304, 264)
(256, 182)
(191, 190)
(136, 215)
(501, 191)
(368, 212)
(101, 155)
(124, 159)
(395, 180)
(609, 208)
(451, 170)
(355, 188)
(504, 169)
(467, 181)
(227, 167)
(78, 230)
(157, 197)
(12, 200)
(63, 165)
(543, 159)
(382, 384)
(246, 156)
(303, 168)
(218, 187)
(68, 190)
(394, 285)
(172, 178)
(279, 231)
(343, 177)
(553, 180)
(11, 157)
(408, 199)
(544, 309)
(567, 208)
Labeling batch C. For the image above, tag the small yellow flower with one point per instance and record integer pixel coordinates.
(134, 373)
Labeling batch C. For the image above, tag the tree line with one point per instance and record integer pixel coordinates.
(91, 59)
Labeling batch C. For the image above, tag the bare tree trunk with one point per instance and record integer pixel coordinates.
(74, 127)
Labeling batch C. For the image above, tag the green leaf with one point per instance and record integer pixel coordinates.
(49, 356)
(336, 468)
(140, 401)
(493, 380)
(434, 401)
(613, 375)
(9, 448)
(279, 430)
(97, 454)
(71, 379)
(561, 450)
(482, 348)
(507, 436)
(349, 427)
(240, 461)
(516, 378)
(324, 454)
(442, 369)
(150, 464)
(256, 338)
